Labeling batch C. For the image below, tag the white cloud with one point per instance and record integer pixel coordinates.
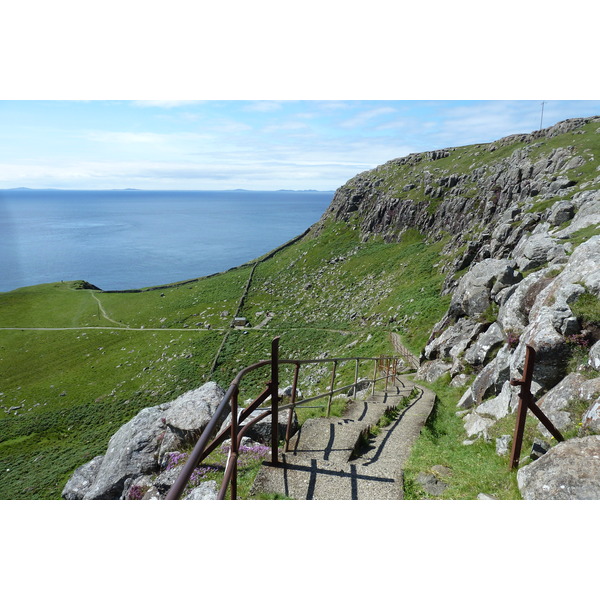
(362, 118)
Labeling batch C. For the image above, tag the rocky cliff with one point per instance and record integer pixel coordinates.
(520, 218)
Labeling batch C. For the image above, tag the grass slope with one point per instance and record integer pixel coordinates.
(76, 363)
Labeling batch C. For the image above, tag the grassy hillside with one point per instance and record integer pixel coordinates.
(77, 363)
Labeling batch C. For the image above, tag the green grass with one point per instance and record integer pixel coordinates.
(65, 391)
(474, 469)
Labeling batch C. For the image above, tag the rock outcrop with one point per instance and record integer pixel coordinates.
(521, 227)
(139, 447)
(569, 471)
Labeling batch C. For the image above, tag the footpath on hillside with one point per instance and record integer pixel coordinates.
(329, 460)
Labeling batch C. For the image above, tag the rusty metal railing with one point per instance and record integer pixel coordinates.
(209, 440)
(527, 402)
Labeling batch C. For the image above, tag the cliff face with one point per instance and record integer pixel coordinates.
(520, 219)
(465, 192)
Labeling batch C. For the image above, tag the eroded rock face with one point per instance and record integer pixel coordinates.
(569, 471)
(478, 287)
(561, 402)
(137, 447)
(454, 339)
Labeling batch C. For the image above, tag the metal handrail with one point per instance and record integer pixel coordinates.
(204, 446)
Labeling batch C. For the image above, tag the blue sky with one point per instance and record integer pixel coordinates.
(254, 144)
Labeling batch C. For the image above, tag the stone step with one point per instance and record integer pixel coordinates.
(321, 463)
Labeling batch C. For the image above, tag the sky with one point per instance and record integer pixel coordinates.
(253, 144)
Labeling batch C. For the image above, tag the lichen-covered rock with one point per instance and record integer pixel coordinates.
(454, 340)
(474, 292)
(207, 490)
(594, 358)
(82, 479)
(559, 403)
(513, 315)
(136, 448)
(432, 370)
(568, 471)
(536, 251)
(489, 339)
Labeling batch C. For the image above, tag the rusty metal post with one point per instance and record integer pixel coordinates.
(526, 401)
(387, 373)
(291, 413)
(355, 379)
(376, 361)
(524, 395)
(233, 453)
(275, 401)
(331, 387)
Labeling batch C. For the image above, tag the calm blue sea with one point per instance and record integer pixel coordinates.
(131, 239)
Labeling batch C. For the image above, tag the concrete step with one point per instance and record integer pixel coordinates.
(322, 464)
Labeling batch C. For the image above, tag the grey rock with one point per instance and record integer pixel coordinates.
(503, 444)
(432, 370)
(490, 380)
(459, 380)
(556, 402)
(485, 497)
(489, 339)
(568, 471)
(513, 315)
(467, 400)
(473, 294)
(561, 212)
(82, 479)
(431, 484)
(454, 340)
(136, 448)
(207, 490)
(594, 358)
(361, 386)
(537, 250)
(499, 406)
(476, 425)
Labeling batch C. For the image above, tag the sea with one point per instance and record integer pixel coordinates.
(128, 239)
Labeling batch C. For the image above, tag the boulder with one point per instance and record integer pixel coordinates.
(207, 490)
(82, 479)
(559, 403)
(537, 250)
(502, 404)
(489, 339)
(454, 340)
(552, 352)
(136, 448)
(513, 315)
(477, 426)
(432, 370)
(503, 445)
(568, 471)
(594, 358)
(491, 378)
(473, 294)
(561, 212)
